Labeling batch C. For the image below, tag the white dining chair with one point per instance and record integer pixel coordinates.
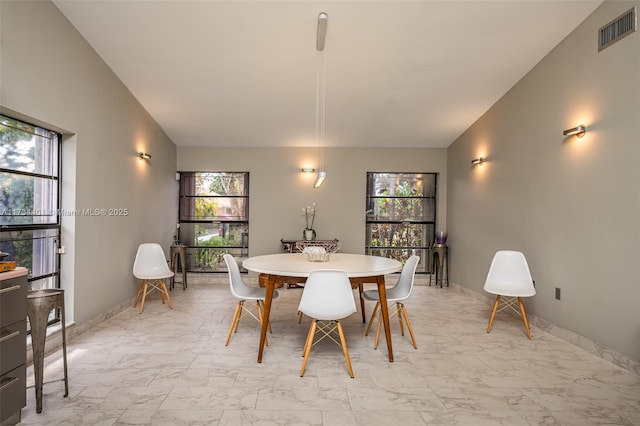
(327, 298)
(244, 292)
(150, 266)
(510, 280)
(397, 294)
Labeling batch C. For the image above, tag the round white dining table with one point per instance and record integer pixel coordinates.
(280, 268)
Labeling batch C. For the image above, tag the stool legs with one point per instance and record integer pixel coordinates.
(64, 351)
(178, 253)
(40, 303)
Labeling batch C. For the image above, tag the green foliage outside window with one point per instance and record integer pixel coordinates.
(29, 198)
(213, 217)
(400, 214)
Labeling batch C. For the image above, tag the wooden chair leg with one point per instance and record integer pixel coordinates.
(260, 313)
(241, 303)
(309, 339)
(343, 341)
(144, 296)
(377, 339)
(360, 291)
(524, 317)
(399, 314)
(493, 313)
(140, 288)
(373, 316)
(166, 293)
(403, 312)
(236, 313)
(307, 346)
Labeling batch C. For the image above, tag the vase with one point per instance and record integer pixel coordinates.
(309, 234)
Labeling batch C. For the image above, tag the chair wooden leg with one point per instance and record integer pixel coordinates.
(309, 339)
(403, 312)
(493, 313)
(378, 329)
(343, 341)
(307, 346)
(299, 317)
(236, 313)
(140, 288)
(260, 313)
(399, 314)
(360, 291)
(241, 303)
(373, 316)
(144, 295)
(166, 293)
(524, 317)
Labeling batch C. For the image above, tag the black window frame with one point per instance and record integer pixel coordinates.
(198, 254)
(402, 252)
(13, 233)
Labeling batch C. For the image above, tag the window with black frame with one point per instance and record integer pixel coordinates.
(401, 216)
(214, 218)
(29, 199)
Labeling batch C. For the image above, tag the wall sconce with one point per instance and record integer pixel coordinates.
(321, 177)
(144, 156)
(579, 131)
(307, 170)
(477, 161)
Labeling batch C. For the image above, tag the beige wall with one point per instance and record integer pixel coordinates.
(571, 205)
(279, 190)
(50, 76)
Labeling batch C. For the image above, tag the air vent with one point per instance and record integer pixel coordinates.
(617, 29)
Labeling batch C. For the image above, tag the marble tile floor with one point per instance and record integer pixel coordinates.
(170, 367)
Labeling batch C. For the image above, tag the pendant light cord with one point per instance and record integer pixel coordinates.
(322, 104)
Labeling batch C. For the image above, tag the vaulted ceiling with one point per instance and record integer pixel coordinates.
(398, 73)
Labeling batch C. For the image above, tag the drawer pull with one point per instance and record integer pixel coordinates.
(9, 335)
(8, 289)
(8, 383)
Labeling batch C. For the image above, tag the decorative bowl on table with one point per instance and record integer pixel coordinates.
(3, 255)
(316, 254)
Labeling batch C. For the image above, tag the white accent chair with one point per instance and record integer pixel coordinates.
(327, 298)
(151, 268)
(243, 292)
(510, 280)
(398, 294)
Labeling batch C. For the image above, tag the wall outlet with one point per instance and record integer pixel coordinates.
(557, 293)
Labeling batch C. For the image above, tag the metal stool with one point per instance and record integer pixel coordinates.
(39, 305)
(178, 252)
(440, 258)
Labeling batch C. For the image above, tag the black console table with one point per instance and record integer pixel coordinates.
(294, 246)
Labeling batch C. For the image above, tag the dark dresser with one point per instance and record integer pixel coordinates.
(13, 344)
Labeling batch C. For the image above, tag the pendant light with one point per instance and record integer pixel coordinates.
(320, 93)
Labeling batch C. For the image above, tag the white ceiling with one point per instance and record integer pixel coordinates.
(399, 73)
